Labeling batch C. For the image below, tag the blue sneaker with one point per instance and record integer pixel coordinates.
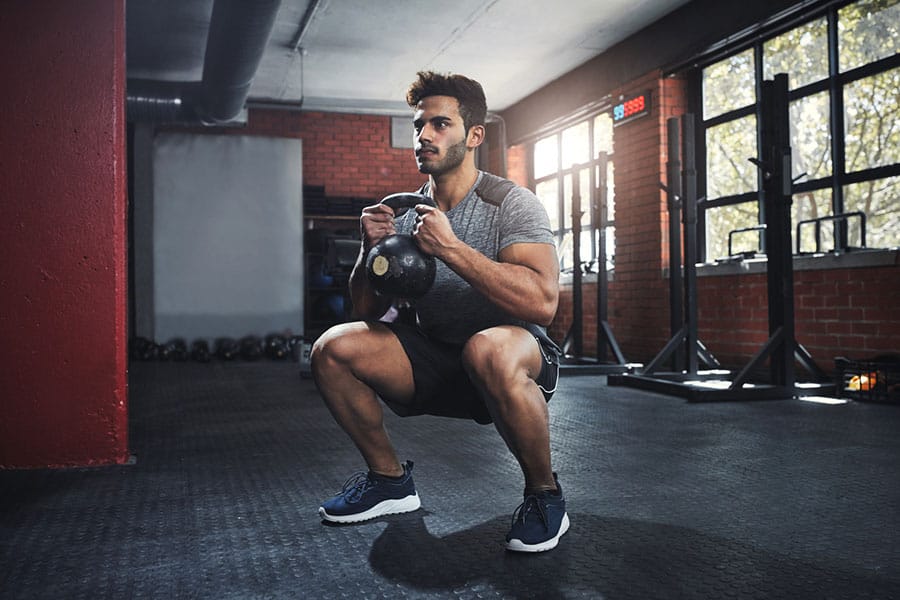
(539, 522)
(369, 495)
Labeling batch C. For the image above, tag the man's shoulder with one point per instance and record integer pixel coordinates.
(494, 189)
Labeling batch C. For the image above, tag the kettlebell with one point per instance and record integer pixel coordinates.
(395, 266)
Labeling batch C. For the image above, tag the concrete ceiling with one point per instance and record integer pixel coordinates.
(360, 55)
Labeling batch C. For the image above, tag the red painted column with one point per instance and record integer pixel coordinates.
(63, 297)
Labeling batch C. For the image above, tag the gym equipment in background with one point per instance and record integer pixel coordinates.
(782, 348)
(573, 344)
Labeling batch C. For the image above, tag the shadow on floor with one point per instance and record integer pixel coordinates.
(606, 557)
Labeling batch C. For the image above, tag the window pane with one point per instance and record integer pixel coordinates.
(545, 156)
(800, 52)
(586, 250)
(603, 134)
(880, 201)
(722, 220)
(872, 121)
(610, 248)
(565, 253)
(812, 205)
(610, 230)
(868, 31)
(587, 242)
(811, 136)
(610, 193)
(575, 145)
(729, 84)
(728, 148)
(584, 189)
(548, 193)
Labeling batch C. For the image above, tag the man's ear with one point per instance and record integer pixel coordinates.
(475, 137)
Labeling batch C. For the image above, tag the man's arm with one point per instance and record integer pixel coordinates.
(523, 282)
(375, 223)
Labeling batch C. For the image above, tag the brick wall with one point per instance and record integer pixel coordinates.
(838, 312)
(350, 155)
(517, 164)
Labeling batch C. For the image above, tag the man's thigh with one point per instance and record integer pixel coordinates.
(372, 353)
(519, 350)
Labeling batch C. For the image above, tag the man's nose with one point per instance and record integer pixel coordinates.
(424, 134)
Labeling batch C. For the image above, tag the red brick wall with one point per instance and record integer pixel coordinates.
(517, 164)
(838, 312)
(351, 155)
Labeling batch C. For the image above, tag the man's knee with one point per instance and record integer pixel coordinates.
(501, 355)
(365, 351)
(339, 345)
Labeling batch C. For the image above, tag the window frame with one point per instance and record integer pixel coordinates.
(834, 84)
(560, 174)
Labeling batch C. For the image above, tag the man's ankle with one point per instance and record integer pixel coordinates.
(397, 473)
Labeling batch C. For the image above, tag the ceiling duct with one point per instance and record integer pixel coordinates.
(238, 34)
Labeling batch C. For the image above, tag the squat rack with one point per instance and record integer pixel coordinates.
(782, 348)
(599, 221)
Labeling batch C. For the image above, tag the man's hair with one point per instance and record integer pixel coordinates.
(468, 92)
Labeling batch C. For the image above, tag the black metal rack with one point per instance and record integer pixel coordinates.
(782, 348)
(606, 341)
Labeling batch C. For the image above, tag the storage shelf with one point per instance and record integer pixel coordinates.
(325, 304)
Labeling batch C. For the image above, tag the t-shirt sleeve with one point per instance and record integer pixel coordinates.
(523, 220)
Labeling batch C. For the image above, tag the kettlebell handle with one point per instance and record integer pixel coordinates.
(402, 202)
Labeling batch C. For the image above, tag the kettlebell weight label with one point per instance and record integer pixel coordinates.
(380, 265)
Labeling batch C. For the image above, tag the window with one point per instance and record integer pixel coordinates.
(575, 151)
(843, 67)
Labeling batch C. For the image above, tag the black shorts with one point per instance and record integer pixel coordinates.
(443, 387)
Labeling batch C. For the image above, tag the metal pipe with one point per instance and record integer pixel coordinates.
(305, 22)
(238, 35)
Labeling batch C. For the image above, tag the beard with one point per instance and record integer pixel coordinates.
(452, 159)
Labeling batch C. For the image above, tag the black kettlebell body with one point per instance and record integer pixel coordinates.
(395, 266)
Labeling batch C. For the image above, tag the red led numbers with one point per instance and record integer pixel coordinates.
(633, 107)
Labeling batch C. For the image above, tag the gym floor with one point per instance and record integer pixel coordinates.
(668, 499)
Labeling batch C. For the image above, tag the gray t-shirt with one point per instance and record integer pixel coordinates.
(494, 214)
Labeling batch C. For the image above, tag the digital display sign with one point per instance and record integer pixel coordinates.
(631, 108)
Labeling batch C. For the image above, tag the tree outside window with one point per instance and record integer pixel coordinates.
(845, 129)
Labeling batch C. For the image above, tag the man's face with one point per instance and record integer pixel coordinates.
(440, 138)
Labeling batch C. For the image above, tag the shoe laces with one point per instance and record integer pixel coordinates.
(532, 504)
(357, 485)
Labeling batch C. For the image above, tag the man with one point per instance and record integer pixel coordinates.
(478, 348)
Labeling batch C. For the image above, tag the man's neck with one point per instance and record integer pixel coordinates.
(449, 189)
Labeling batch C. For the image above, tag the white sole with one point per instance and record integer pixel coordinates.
(519, 546)
(385, 507)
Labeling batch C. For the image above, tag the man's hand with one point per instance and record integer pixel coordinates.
(375, 223)
(433, 232)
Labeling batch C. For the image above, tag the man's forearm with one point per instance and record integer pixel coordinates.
(366, 303)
